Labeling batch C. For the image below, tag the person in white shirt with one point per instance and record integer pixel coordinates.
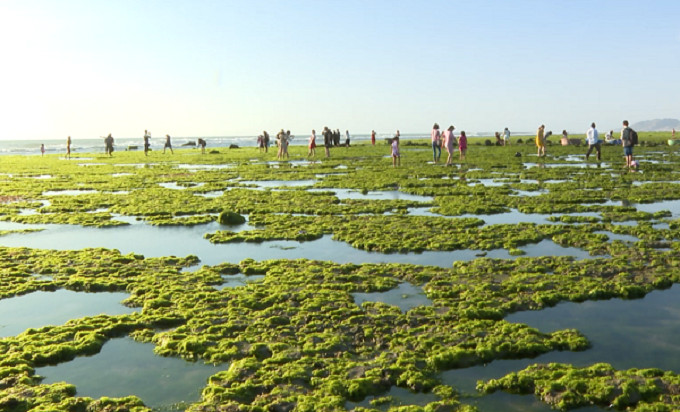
(506, 137)
(593, 141)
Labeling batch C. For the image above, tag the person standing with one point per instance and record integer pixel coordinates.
(108, 145)
(396, 157)
(627, 143)
(280, 137)
(68, 147)
(147, 142)
(346, 138)
(462, 145)
(265, 136)
(327, 140)
(42, 149)
(540, 140)
(450, 143)
(167, 144)
(593, 140)
(373, 137)
(436, 144)
(506, 137)
(286, 142)
(202, 143)
(312, 144)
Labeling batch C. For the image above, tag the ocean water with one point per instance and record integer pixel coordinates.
(32, 147)
(95, 145)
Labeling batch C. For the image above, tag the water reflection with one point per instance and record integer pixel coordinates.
(125, 367)
(239, 279)
(670, 205)
(395, 397)
(639, 333)
(68, 192)
(627, 334)
(39, 309)
(405, 296)
(344, 194)
(158, 241)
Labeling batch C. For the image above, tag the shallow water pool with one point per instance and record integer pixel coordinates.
(38, 309)
(125, 367)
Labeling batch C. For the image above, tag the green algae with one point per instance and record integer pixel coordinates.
(9, 232)
(567, 387)
(297, 340)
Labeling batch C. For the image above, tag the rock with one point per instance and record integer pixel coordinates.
(231, 218)
(233, 146)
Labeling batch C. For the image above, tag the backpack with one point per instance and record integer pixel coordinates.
(633, 137)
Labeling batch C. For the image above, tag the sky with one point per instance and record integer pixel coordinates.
(87, 68)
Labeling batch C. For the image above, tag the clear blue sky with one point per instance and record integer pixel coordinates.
(214, 68)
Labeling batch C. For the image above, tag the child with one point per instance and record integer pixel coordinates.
(462, 145)
(396, 158)
(312, 144)
(42, 149)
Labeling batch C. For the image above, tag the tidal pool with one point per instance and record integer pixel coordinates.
(125, 367)
(506, 402)
(38, 309)
(396, 396)
(671, 205)
(405, 296)
(640, 333)
(158, 241)
(198, 167)
(175, 186)
(68, 192)
(239, 279)
(264, 184)
(344, 194)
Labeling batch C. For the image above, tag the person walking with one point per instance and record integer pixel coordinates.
(68, 147)
(627, 143)
(312, 144)
(593, 140)
(373, 137)
(436, 144)
(450, 143)
(540, 140)
(462, 145)
(168, 144)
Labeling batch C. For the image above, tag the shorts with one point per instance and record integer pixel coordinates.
(628, 150)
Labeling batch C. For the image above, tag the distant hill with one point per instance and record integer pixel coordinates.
(657, 125)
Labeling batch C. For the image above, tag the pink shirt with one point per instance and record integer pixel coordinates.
(435, 135)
